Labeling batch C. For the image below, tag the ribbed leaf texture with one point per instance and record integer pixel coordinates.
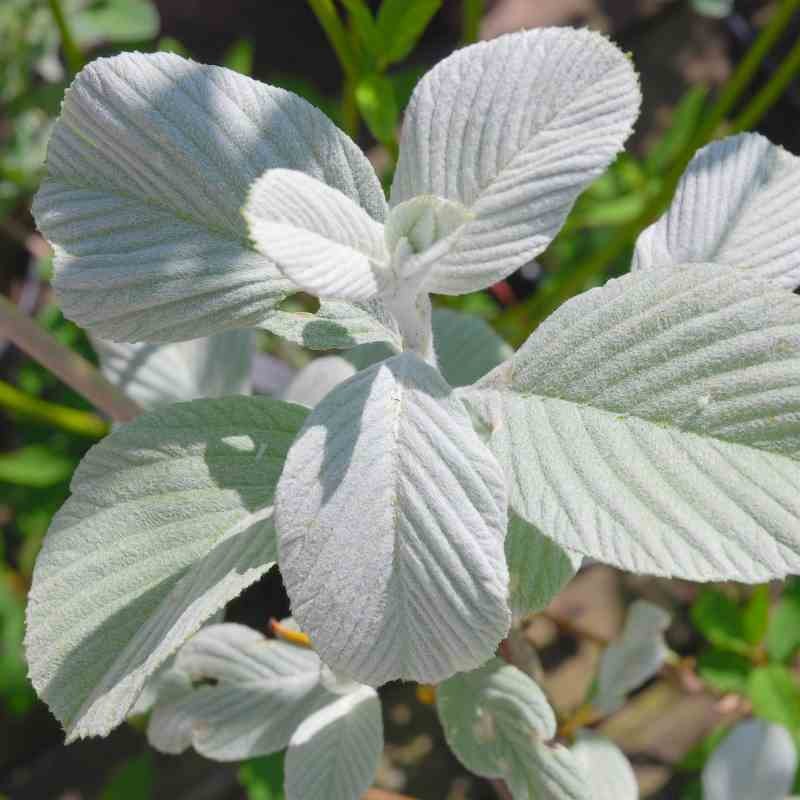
(170, 518)
(514, 129)
(389, 488)
(334, 753)
(148, 168)
(498, 722)
(266, 695)
(317, 236)
(654, 424)
(738, 203)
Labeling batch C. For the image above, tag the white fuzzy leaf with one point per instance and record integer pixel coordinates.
(336, 326)
(756, 759)
(538, 568)
(654, 424)
(738, 203)
(634, 658)
(466, 346)
(263, 689)
(389, 487)
(607, 770)
(157, 374)
(317, 236)
(334, 753)
(316, 379)
(170, 517)
(513, 129)
(147, 171)
(497, 721)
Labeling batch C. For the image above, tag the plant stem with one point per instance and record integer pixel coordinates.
(769, 94)
(350, 116)
(471, 14)
(337, 35)
(745, 72)
(69, 419)
(564, 285)
(72, 53)
(72, 368)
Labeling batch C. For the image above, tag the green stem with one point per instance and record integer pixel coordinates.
(71, 367)
(565, 284)
(350, 117)
(337, 35)
(72, 52)
(769, 94)
(69, 419)
(745, 71)
(471, 14)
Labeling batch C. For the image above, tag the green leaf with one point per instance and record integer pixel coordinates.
(783, 633)
(170, 518)
(378, 106)
(239, 57)
(726, 671)
(262, 778)
(775, 695)
(115, 21)
(36, 465)
(133, 780)
(365, 28)
(401, 23)
(755, 615)
(720, 620)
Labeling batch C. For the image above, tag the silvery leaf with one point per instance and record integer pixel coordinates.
(318, 237)
(653, 424)
(738, 203)
(498, 722)
(513, 129)
(157, 374)
(148, 167)
(389, 487)
(607, 769)
(334, 753)
(170, 518)
(756, 759)
(633, 658)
